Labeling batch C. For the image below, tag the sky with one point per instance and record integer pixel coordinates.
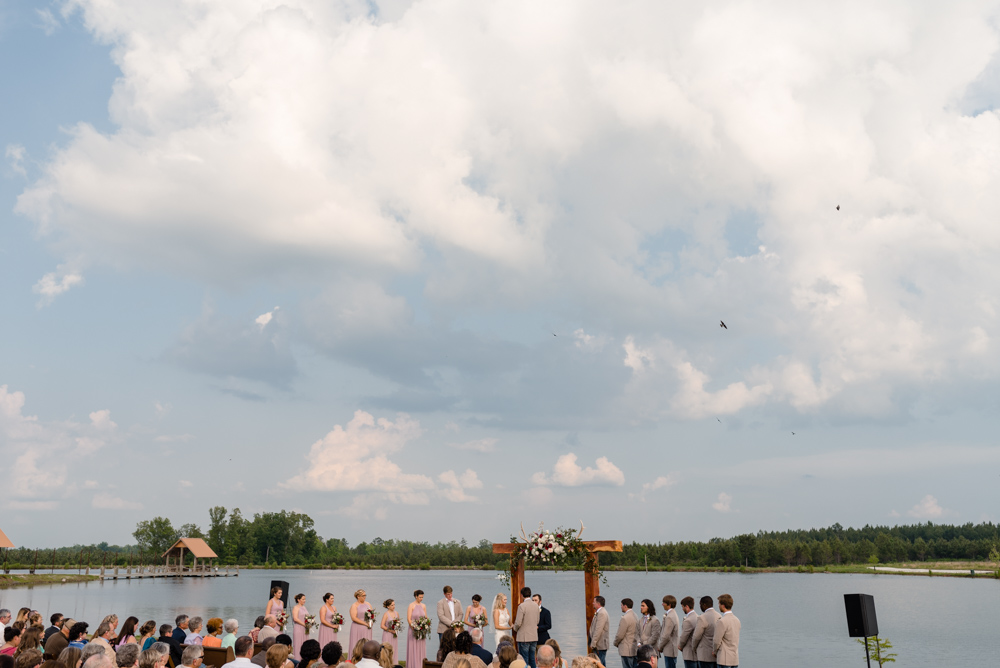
(431, 270)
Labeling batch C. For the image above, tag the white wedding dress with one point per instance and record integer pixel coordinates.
(504, 621)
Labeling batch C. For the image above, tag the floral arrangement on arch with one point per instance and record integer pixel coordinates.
(559, 548)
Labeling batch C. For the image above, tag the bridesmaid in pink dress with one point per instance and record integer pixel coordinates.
(388, 637)
(327, 631)
(359, 627)
(416, 650)
(275, 606)
(299, 613)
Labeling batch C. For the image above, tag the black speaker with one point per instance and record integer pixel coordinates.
(284, 590)
(861, 621)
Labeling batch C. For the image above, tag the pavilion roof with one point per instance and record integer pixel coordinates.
(4, 541)
(196, 546)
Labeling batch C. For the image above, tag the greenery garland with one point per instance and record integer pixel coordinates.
(559, 548)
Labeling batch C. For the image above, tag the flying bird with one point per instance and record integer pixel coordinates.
(722, 325)
(793, 433)
(838, 207)
(720, 421)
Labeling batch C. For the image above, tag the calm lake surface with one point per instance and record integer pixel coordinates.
(788, 619)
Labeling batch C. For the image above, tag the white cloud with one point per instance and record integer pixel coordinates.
(173, 438)
(47, 21)
(455, 487)
(106, 501)
(91, 484)
(478, 445)
(355, 458)
(185, 483)
(567, 473)
(263, 319)
(928, 508)
(661, 482)
(15, 154)
(55, 283)
(723, 504)
(162, 409)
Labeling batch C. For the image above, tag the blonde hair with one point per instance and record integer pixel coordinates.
(551, 642)
(385, 657)
(276, 656)
(359, 593)
(498, 601)
(356, 652)
(463, 663)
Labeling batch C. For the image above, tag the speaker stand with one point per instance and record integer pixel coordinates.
(868, 656)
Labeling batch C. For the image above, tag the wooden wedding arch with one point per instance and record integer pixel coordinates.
(591, 576)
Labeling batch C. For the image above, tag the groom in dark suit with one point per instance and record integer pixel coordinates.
(544, 620)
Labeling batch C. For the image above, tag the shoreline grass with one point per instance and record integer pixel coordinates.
(29, 580)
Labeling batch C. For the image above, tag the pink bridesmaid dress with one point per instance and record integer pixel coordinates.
(359, 631)
(298, 633)
(416, 650)
(326, 634)
(391, 640)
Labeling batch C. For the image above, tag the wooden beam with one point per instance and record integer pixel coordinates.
(591, 588)
(592, 545)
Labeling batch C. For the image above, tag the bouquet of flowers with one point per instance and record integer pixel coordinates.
(421, 628)
(458, 626)
(395, 626)
(311, 623)
(369, 617)
(282, 620)
(480, 620)
(337, 619)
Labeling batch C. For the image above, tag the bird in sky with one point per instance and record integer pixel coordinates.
(793, 433)
(554, 334)
(722, 325)
(838, 207)
(720, 421)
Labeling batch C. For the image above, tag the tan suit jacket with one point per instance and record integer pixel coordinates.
(626, 635)
(600, 630)
(727, 640)
(684, 643)
(445, 618)
(667, 643)
(526, 622)
(704, 634)
(649, 632)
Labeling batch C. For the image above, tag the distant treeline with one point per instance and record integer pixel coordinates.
(289, 539)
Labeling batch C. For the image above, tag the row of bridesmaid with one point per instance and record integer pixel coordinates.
(360, 628)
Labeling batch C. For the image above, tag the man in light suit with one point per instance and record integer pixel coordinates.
(600, 630)
(684, 643)
(626, 635)
(726, 642)
(704, 634)
(544, 619)
(649, 627)
(526, 627)
(669, 628)
(449, 611)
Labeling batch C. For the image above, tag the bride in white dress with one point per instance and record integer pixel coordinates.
(501, 617)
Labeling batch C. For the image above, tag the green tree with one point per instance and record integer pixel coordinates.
(878, 650)
(155, 535)
(217, 529)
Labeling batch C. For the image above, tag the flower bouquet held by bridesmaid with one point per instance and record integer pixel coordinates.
(362, 618)
(300, 623)
(391, 626)
(330, 621)
(419, 630)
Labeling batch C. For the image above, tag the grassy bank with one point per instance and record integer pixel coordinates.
(28, 580)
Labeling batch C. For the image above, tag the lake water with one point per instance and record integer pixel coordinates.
(787, 619)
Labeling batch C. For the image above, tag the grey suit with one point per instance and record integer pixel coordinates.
(526, 622)
(600, 631)
(625, 639)
(445, 618)
(667, 643)
(727, 640)
(684, 643)
(704, 636)
(649, 632)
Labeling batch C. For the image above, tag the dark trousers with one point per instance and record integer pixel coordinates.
(629, 662)
(670, 662)
(527, 652)
(602, 655)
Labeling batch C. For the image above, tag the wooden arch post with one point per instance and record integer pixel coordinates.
(591, 580)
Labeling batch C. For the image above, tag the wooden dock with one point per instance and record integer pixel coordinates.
(144, 572)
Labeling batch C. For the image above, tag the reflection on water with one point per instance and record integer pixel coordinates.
(788, 619)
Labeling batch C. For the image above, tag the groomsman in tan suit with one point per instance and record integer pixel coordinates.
(727, 635)
(669, 629)
(625, 637)
(449, 611)
(600, 630)
(687, 630)
(526, 627)
(704, 634)
(649, 627)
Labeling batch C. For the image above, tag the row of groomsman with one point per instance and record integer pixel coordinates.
(708, 640)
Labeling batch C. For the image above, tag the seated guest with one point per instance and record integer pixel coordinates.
(103, 635)
(545, 656)
(70, 657)
(128, 656)
(477, 646)
(507, 654)
(127, 634)
(59, 640)
(214, 627)
(286, 640)
(180, 630)
(147, 635)
(560, 662)
(193, 634)
(29, 658)
(92, 649)
(231, 628)
(463, 650)
(31, 638)
(447, 644)
(277, 656)
(369, 655)
(269, 630)
(243, 650)
(646, 656)
(11, 639)
(260, 658)
(257, 626)
(309, 653)
(161, 648)
(193, 656)
(152, 659)
(332, 654)
(57, 624)
(168, 638)
(78, 635)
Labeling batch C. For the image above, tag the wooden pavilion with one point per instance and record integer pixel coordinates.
(198, 548)
(4, 541)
